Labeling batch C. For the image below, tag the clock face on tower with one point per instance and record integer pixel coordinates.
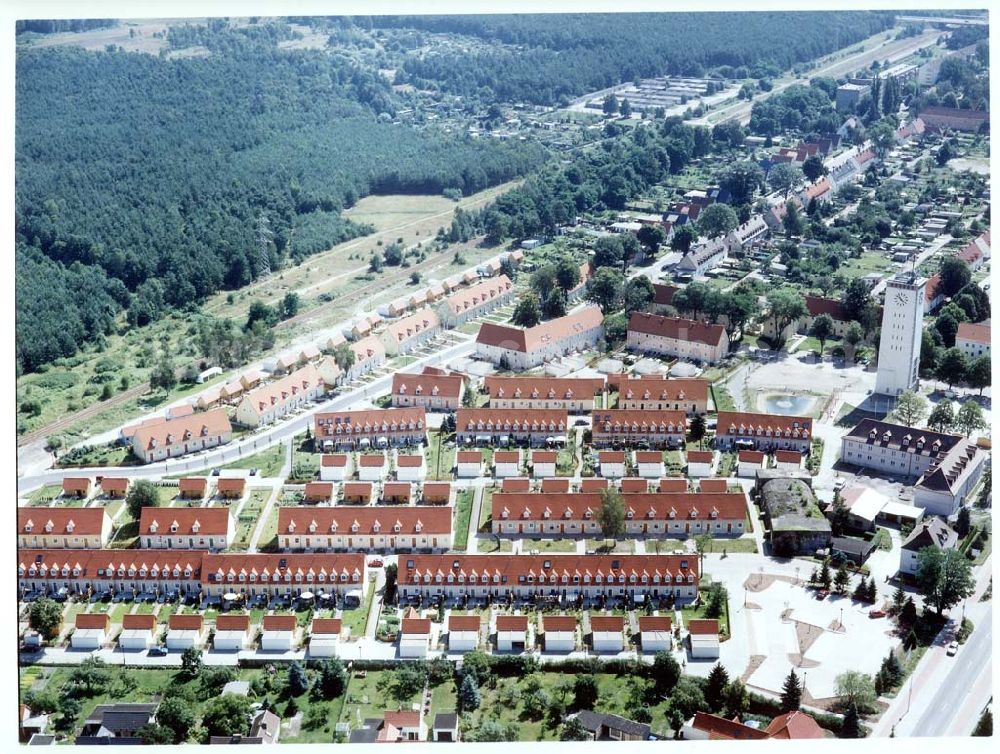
(900, 298)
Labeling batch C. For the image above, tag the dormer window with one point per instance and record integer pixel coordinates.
(173, 527)
(29, 526)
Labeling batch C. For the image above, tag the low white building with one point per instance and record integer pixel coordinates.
(750, 462)
(700, 463)
(469, 464)
(91, 631)
(335, 467)
(372, 467)
(656, 633)
(788, 460)
(703, 635)
(324, 637)
(607, 633)
(414, 637)
(138, 632)
(559, 633)
(279, 632)
(512, 633)
(185, 631)
(410, 468)
(931, 532)
(543, 463)
(232, 633)
(506, 463)
(612, 464)
(463, 633)
(649, 463)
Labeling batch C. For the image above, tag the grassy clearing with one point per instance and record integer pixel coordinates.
(486, 511)
(689, 613)
(742, 544)
(247, 520)
(98, 455)
(269, 462)
(606, 546)
(356, 619)
(364, 698)
(268, 541)
(549, 545)
(722, 398)
(44, 495)
(463, 511)
(439, 458)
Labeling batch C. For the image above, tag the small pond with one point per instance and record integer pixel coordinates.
(789, 405)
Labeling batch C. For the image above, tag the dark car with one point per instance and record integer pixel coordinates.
(157, 652)
(215, 472)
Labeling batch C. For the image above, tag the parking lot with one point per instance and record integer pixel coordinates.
(782, 626)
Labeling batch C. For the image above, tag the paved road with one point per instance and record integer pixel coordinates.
(250, 445)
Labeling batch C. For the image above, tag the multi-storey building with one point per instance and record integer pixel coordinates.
(497, 426)
(766, 432)
(653, 576)
(517, 349)
(370, 428)
(475, 301)
(186, 528)
(973, 339)
(383, 527)
(681, 338)
(408, 333)
(902, 329)
(432, 392)
(654, 393)
(63, 528)
(647, 514)
(120, 571)
(282, 573)
(274, 400)
(160, 439)
(572, 394)
(627, 427)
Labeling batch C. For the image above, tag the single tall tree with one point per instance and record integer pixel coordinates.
(942, 417)
(911, 408)
(141, 494)
(715, 688)
(944, 577)
(970, 418)
(527, 313)
(822, 328)
(612, 515)
(791, 693)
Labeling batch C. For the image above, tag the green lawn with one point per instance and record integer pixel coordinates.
(604, 545)
(356, 619)
(249, 515)
(486, 511)
(363, 699)
(269, 534)
(732, 545)
(268, 461)
(44, 495)
(691, 613)
(440, 459)
(549, 545)
(722, 398)
(566, 458)
(98, 455)
(463, 510)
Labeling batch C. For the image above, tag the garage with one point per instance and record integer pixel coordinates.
(703, 635)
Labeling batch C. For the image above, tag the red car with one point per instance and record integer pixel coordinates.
(375, 563)
(822, 594)
(876, 613)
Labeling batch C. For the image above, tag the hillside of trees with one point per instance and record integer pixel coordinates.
(548, 59)
(143, 183)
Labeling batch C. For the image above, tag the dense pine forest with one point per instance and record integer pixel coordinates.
(145, 183)
(550, 58)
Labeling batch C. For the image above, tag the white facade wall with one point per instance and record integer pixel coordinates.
(608, 641)
(543, 470)
(183, 639)
(324, 645)
(656, 641)
(413, 646)
(698, 470)
(612, 470)
(230, 641)
(462, 641)
(135, 639)
(560, 641)
(507, 639)
(88, 638)
(470, 470)
(335, 473)
(276, 641)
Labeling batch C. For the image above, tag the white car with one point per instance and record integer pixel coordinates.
(953, 649)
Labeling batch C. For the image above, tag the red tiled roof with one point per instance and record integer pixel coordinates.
(91, 563)
(371, 460)
(542, 335)
(403, 718)
(318, 490)
(502, 420)
(232, 623)
(437, 491)
(470, 456)
(186, 622)
(559, 623)
(515, 484)
(831, 306)
(409, 461)
(357, 489)
(633, 485)
(932, 289)
(643, 505)
(611, 456)
(676, 328)
(337, 460)
(673, 485)
(442, 386)
(703, 626)
(794, 725)
(170, 432)
(409, 327)
(463, 623)
(506, 456)
(85, 521)
(415, 626)
(92, 620)
(648, 456)
(645, 420)
(788, 456)
(194, 485)
(653, 389)
(751, 456)
(542, 388)
(655, 623)
(699, 456)
(306, 520)
(370, 421)
(556, 485)
(279, 623)
(77, 484)
(512, 623)
(974, 333)
(397, 490)
(663, 294)
(730, 422)
(216, 568)
(593, 485)
(713, 485)
(141, 622)
(366, 349)
(478, 294)
(326, 626)
(115, 484)
(544, 456)
(513, 566)
(182, 521)
(231, 484)
(719, 728)
(607, 623)
(283, 389)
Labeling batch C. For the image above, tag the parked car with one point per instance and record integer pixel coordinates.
(375, 563)
(253, 471)
(580, 423)
(822, 594)
(215, 472)
(839, 484)
(876, 613)
(157, 652)
(953, 649)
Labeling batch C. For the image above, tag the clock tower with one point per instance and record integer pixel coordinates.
(902, 328)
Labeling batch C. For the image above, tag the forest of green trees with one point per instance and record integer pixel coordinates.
(158, 173)
(550, 58)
